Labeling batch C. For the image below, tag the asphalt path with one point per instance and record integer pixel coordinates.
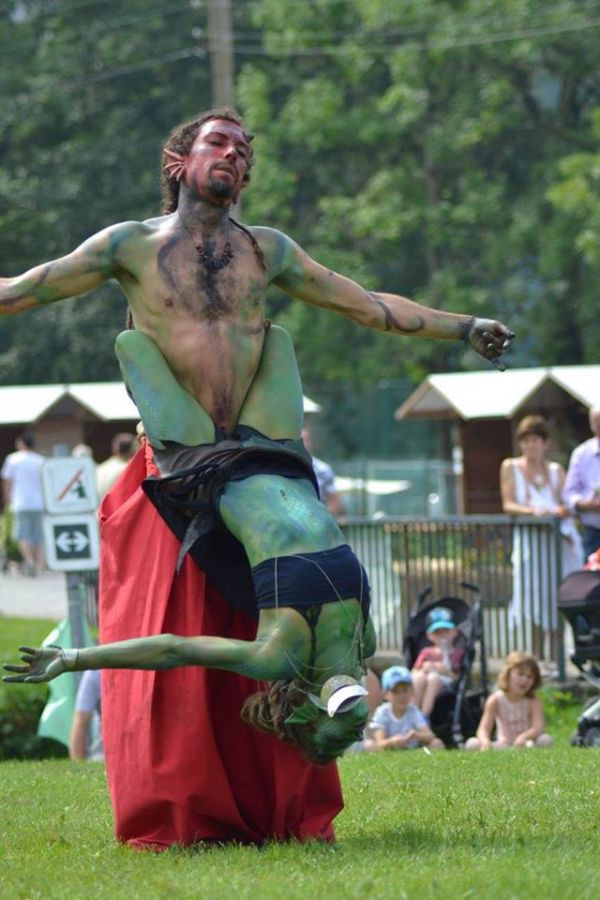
(42, 597)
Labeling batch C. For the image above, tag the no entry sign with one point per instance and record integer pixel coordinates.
(69, 485)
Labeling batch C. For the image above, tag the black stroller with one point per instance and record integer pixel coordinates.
(457, 710)
(579, 602)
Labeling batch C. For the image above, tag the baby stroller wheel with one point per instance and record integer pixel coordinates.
(588, 726)
(591, 738)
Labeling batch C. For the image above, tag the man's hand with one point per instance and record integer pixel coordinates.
(40, 665)
(490, 339)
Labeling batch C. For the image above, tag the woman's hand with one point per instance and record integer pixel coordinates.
(40, 665)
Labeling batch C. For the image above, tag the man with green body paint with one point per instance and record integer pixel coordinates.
(202, 361)
(208, 321)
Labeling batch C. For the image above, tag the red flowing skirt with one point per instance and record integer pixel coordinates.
(181, 765)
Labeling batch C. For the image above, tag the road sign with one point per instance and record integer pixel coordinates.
(69, 485)
(72, 543)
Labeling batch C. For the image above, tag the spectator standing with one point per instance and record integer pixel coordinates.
(82, 451)
(325, 477)
(533, 486)
(22, 484)
(398, 724)
(85, 741)
(108, 472)
(582, 485)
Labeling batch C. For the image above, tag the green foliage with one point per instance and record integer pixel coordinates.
(425, 140)
(9, 550)
(89, 92)
(562, 709)
(19, 716)
(446, 150)
(21, 704)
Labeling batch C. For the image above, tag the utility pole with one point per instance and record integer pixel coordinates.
(220, 45)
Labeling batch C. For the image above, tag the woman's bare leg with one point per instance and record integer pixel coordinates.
(274, 402)
(168, 411)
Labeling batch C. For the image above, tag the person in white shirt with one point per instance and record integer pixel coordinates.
(22, 490)
(108, 472)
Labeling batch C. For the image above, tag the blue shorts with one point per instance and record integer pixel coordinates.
(27, 526)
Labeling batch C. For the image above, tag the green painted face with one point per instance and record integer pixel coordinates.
(333, 735)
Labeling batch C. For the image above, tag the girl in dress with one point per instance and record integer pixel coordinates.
(513, 710)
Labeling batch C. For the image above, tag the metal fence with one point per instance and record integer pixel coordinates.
(514, 561)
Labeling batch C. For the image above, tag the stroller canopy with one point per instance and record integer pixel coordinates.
(579, 589)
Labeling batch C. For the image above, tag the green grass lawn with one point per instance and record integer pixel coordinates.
(505, 825)
(485, 825)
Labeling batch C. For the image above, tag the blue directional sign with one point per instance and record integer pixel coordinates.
(72, 543)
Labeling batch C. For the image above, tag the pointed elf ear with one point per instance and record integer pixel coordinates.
(174, 164)
(303, 715)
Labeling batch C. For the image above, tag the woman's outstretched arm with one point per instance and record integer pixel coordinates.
(263, 659)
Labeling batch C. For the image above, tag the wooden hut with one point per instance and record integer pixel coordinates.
(478, 413)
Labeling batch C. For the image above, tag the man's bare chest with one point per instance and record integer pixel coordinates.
(184, 285)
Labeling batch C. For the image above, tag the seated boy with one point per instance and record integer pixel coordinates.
(437, 666)
(398, 724)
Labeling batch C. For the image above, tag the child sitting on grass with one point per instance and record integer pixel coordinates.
(398, 724)
(513, 710)
(437, 666)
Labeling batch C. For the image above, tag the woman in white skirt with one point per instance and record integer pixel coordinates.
(532, 486)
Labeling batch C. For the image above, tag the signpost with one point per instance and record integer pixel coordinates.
(72, 543)
(71, 536)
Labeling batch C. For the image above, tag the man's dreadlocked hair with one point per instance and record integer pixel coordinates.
(180, 141)
(267, 711)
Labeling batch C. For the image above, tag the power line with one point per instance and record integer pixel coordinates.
(176, 56)
(119, 72)
(323, 51)
(442, 44)
(102, 25)
(531, 15)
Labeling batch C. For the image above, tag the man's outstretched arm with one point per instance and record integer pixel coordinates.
(94, 261)
(300, 276)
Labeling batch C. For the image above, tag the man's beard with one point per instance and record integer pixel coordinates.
(220, 187)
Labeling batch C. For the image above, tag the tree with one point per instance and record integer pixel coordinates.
(89, 93)
(423, 140)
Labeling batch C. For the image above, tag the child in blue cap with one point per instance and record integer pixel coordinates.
(438, 665)
(398, 724)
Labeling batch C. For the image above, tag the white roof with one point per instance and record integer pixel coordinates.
(108, 400)
(27, 404)
(493, 394)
